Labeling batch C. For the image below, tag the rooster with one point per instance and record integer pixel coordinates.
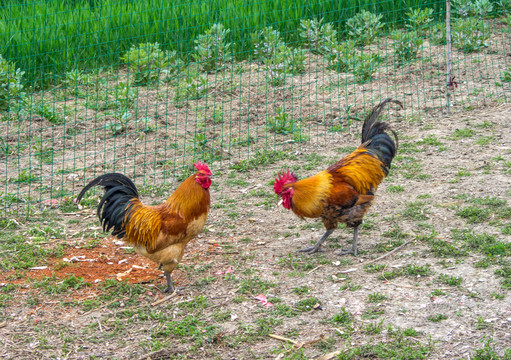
(345, 191)
(160, 233)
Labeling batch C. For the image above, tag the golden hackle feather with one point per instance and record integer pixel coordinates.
(310, 194)
(360, 169)
(144, 224)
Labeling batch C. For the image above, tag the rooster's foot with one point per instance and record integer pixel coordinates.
(169, 290)
(348, 251)
(311, 250)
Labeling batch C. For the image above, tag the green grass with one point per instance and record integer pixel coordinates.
(254, 286)
(394, 349)
(376, 297)
(416, 211)
(53, 285)
(437, 317)
(395, 188)
(342, 318)
(474, 214)
(450, 279)
(463, 133)
(307, 304)
(263, 157)
(96, 35)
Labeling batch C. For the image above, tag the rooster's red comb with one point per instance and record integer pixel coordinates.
(283, 179)
(202, 166)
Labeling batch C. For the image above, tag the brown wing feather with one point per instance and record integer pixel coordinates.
(342, 194)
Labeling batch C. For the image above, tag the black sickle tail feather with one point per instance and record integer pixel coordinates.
(375, 137)
(114, 204)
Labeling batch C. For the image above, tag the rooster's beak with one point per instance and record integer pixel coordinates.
(280, 202)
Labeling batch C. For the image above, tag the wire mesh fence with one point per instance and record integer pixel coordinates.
(147, 87)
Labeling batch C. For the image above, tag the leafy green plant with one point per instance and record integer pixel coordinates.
(482, 8)
(466, 8)
(282, 123)
(470, 34)
(278, 58)
(42, 152)
(317, 36)
(364, 66)
(285, 61)
(217, 115)
(115, 128)
(418, 19)
(294, 60)
(5, 148)
(192, 87)
(76, 78)
(49, 112)
(275, 73)
(505, 76)
(266, 42)
(147, 125)
(200, 140)
(25, 177)
(11, 86)
(211, 49)
(364, 27)
(406, 45)
(438, 34)
(340, 56)
(124, 95)
(148, 60)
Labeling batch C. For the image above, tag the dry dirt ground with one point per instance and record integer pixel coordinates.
(443, 294)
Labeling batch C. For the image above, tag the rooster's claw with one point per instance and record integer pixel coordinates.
(311, 250)
(347, 251)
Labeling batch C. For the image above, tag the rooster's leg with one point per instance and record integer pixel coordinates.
(170, 286)
(353, 249)
(316, 247)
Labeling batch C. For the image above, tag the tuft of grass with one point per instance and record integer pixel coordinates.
(450, 279)
(307, 305)
(474, 214)
(437, 292)
(437, 317)
(416, 211)
(396, 349)
(254, 286)
(301, 290)
(342, 318)
(376, 297)
(54, 285)
(261, 158)
(395, 188)
(463, 133)
(505, 272)
(417, 270)
(373, 268)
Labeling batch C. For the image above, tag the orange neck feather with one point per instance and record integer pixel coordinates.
(310, 194)
(190, 199)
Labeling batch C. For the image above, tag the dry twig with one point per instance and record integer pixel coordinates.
(388, 254)
(164, 299)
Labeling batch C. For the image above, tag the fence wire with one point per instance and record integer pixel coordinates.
(147, 87)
